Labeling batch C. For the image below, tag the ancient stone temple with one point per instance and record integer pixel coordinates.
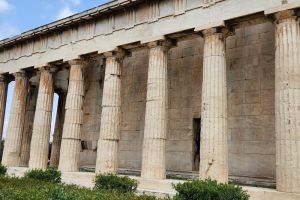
(161, 89)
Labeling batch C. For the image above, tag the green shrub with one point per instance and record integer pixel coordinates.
(3, 170)
(49, 175)
(30, 189)
(209, 190)
(115, 183)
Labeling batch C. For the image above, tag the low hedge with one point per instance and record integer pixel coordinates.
(209, 190)
(116, 183)
(31, 189)
(3, 170)
(49, 175)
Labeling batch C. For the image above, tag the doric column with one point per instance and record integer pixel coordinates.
(3, 93)
(287, 102)
(70, 144)
(28, 125)
(42, 122)
(155, 131)
(59, 122)
(213, 146)
(12, 147)
(107, 151)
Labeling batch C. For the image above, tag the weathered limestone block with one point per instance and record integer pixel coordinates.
(287, 102)
(213, 147)
(3, 93)
(155, 132)
(70, 144)
(42, 122)
(28, 125)
(57, 136)
(107, 152)
(12, 148)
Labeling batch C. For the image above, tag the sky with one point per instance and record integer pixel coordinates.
(17, 16)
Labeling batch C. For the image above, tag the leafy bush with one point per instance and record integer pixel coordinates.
(115, 183)
(3, 170)
(49, 175)
(31, 189)
(208, 190)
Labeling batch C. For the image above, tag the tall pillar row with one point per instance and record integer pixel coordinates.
(107, 151)
(213, 143)
(287, 101)
(156, 117)
(12, 147)
(3, 96)
(57, 136)
(42, 122)
(71, 137)
(28, 125)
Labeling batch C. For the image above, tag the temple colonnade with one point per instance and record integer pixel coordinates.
(214, 145)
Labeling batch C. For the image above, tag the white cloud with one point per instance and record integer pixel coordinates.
(8, 30)
(4, 6)
(64, 12)
(75, 2)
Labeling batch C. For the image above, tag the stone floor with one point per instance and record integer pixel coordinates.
(159, 187)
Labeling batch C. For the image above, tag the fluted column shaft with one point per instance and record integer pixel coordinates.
(39, 147)
(155, 131)
(287, 102)
(71, 137)
(3, 96)
(28, 125)
(213, 147)
(107, 148)
(12, 147)
(57, 136)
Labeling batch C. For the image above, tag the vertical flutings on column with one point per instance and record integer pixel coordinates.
(3, 96)
(59, 122)
(12, 147)
(107, 148)
(28, 125)
(214, 147)
(155, 131)
(287, 102)
(71, 137)
(39, 146)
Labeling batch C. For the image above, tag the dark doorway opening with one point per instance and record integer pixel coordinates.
(196, 143)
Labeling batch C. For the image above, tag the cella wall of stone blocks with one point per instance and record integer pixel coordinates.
(251, 118)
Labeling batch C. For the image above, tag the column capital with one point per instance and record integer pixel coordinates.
(222, 31)
(20, 74)
(118, 53)
(284, 15)
(80, 62)
(3, 78)
(45, 68)
(166, 43)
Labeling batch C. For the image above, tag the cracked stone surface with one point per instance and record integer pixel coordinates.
(213, 142)
(12, 148)
(287, 102)
(107, 152)
(42, 122)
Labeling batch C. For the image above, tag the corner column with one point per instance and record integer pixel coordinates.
(213, 147)
(57, 136)
(42, 122)
(287, 101)
(3, 96)
(28, 125)
(107, 148)
(71, 137)
(12, 147)
(155, 131)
